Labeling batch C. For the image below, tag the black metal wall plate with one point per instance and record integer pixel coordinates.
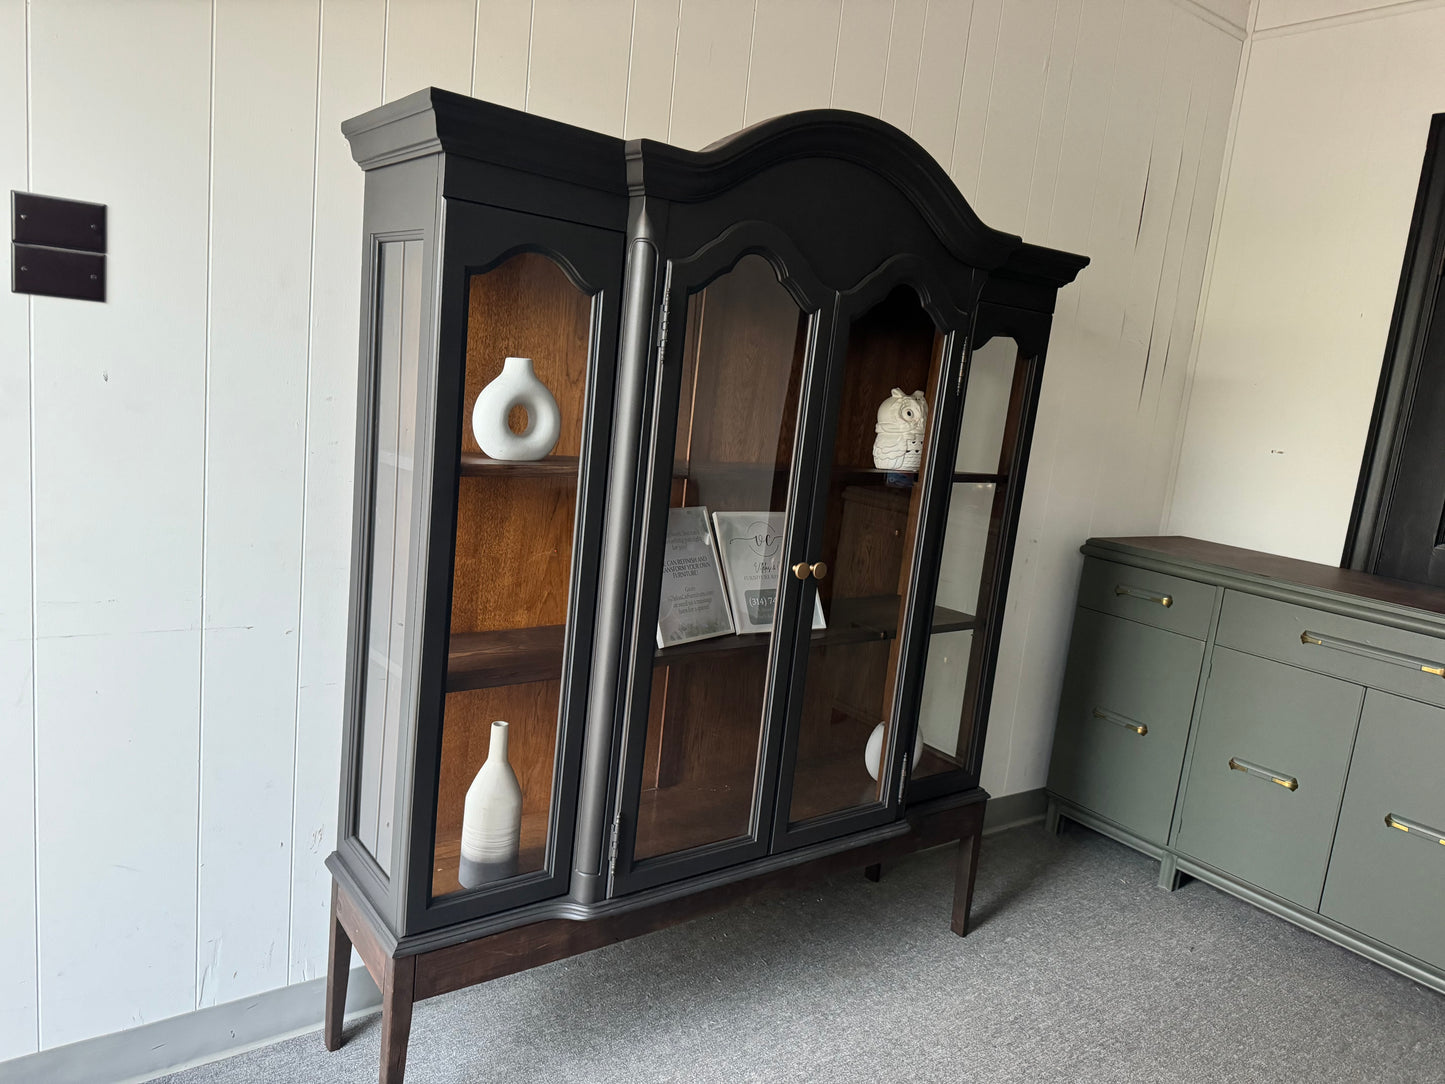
(57, 223)
(57, 272)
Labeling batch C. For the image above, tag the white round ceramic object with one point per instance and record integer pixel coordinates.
(516, 385)
(873, 751)
(491, 818)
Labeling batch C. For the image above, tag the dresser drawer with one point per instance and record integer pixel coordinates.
(1166, 602)
(1379, 656)
(1384, 882)
(1123, 721)
(1267, 772)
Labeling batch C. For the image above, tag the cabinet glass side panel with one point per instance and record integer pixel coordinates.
(743, 362)
(976, 509)
(384, 681)
(512, 572)
(889, 378)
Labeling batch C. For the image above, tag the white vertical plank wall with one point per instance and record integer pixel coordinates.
(255, 438)
(503, 44)
(350, 69)
(120, 113)
(794, 48)
(430, 42)
(578, 66)
(859, 65)
(18, 1010)
(193, 437)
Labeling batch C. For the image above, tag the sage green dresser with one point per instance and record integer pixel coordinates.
(1273, 727)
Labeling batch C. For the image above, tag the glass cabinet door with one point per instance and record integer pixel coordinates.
(512, 571)
(497, 762)
(697, 784)
(869, 504)
(978, 505)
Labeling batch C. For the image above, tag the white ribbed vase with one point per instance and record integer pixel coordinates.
(491, 818)
(516, 385)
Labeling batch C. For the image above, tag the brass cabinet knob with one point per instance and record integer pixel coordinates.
(819, 570)
(802, 570)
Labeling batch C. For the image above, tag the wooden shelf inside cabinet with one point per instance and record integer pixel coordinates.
(552, 466)
(531, 855)
(482, 660)
(485, 660)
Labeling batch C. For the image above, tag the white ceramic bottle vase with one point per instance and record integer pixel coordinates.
(491, 818)
(516, 385)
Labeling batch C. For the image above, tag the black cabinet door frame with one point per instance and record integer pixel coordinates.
(947, 305)
(685, 278)
(1029, 330)
(478, 238)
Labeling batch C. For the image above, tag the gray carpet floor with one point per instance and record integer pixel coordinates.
(1079, 970)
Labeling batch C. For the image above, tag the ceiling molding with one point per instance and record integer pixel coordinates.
(1363, 12)
(1213, 18)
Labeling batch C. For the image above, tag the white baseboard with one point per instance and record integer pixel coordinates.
(193, 1038)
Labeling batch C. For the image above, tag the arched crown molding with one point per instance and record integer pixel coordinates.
(658, 169)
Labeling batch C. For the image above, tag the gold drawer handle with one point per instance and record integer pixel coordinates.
(1121, 720)
(1367, 651)
(1140, 593)
(1288, 782)
(818, 569)
(1414, 826)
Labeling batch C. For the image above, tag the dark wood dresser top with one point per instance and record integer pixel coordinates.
(1284, 571)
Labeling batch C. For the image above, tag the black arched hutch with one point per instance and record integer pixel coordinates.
(719, 330)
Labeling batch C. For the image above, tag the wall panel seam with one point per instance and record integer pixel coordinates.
(471, 89)
(748, 77)
(1043, 94)
(205, 501)
(386, 38)
(531, 31)
(988, 101)
(306, 478)
(958, 99)
(1214, 19)
(34, 623)
(923, 44)
(1068, 99)
(627, 83)
(887, 56)
(676, 45)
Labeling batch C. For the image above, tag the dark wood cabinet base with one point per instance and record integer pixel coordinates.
(406, 978)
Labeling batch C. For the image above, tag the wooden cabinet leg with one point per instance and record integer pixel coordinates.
(338, 971)
(874, 872)
(396, 1002)
(968, 849)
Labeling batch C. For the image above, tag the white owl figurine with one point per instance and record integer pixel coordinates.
(901, 425)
